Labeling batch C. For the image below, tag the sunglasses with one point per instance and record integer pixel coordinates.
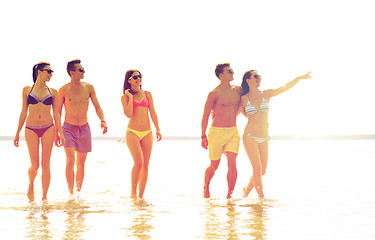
(256, 76)
(81, 69)
(136, 77)
(48, 70)
(230, 71)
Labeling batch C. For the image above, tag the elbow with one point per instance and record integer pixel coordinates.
(127, 114)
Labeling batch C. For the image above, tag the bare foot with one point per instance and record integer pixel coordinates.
(246, 191)
(260, 192)
(133, 195)
(229, 196)
(206, 192)
(30, 193)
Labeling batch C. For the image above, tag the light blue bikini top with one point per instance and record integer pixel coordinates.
(250, 109)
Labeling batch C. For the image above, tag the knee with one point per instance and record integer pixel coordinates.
(213, 166)
(257, 172)
(144, 168)
(80, 164)
(263, 172)
(34, 167)
(69, 163)
(45, 165)
(137, 166)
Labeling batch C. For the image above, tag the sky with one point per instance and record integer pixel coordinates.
(176, 46)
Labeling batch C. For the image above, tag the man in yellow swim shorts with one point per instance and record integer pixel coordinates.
(223, 137)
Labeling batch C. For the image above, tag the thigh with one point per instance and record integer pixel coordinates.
(134, 145)
(146, 145)
(47, 141)
(231, 156)
(215, 145)
(70, 154)
(263, 151)
(32, 141)
(81, 158)
(84, 141)
(252, 151)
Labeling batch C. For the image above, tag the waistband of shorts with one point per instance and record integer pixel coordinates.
(224, 128)
(71, 125)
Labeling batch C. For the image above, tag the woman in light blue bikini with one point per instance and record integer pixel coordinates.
(40, 130)
(137, 105)
(254, 104)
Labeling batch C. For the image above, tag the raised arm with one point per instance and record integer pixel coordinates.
(210, 102)
(23, 115)
(98, 109)
(153, 115)
(127, 103)
(289, 85)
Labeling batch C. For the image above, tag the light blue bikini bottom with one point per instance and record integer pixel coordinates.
(257, 139)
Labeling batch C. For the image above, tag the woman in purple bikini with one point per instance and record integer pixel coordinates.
(36, 111)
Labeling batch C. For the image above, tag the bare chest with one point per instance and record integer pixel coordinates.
(77, 96)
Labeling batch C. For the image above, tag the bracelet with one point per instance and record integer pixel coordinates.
(102, 121)
(204, 136)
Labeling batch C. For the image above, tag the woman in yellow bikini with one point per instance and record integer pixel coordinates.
(255, 137)
(40, 130)
(137, 105)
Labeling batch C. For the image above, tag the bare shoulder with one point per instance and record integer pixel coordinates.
(53, 91)
(26, 89)
(267, 94)
(64, 88)
(87, 85)
(213, 94)
(238, 89)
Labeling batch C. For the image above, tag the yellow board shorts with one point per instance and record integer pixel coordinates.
(222, 140)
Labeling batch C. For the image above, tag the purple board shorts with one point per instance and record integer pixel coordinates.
(78, 137)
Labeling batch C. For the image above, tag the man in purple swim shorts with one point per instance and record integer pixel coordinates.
(78, 137)
(75, 97)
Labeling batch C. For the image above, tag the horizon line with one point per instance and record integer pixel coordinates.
(273, 137)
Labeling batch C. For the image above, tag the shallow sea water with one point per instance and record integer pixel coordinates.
(314, 190)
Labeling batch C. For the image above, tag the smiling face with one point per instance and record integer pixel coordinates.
(135, 80)
(254, 79)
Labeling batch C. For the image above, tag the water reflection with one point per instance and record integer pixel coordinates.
(38, 222)
(140, 225)
(75, 220)
(255, 221)
(235, 220)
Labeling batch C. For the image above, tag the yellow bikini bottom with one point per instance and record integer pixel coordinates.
(139, 134)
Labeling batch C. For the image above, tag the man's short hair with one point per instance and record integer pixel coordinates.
(220, 68)
(71, 65)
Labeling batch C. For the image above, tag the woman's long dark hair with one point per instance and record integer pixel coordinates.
(38, 66)
(244, 85)
(128, 74)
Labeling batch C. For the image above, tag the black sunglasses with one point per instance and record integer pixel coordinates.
(257, 76)
(136, 77)
(48, 70)
(230, 71)
(81, 69)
